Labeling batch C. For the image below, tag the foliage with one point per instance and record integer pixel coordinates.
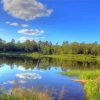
(47, 48)
(84, 74)
(92, 85)
(92, 89)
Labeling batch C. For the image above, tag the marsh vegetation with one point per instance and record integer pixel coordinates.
(91, 80)
(24, 94)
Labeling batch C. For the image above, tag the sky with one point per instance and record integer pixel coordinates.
(50, 20)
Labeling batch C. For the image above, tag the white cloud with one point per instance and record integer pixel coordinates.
(31, 31)
(26, 9)
(23, 39)
(25, 25)
(14, 82)
(17, 24)
(23, 69)
(29, 76)
(12, 23)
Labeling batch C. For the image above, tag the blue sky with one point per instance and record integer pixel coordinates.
(52, 20)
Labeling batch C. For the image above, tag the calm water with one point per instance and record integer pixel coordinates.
(43, 74)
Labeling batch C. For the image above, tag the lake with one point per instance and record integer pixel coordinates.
(43, 74)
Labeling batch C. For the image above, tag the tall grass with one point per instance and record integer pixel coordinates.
(23, 94)
(92, 85)
(84, 74)
(20, 54)
(92, 89)
(77, 57)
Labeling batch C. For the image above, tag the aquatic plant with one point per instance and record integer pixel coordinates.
(83, 74)
(25, 94)
(92, 89)
(92, 83)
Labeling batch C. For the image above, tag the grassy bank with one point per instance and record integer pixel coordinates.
(65, 57)
(92, 89)
(20, 54)
(84, 74)
(77, 57)
(92, 85)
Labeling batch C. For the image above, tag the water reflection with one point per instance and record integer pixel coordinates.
(28, 76)
(43, 74)
(47, 63)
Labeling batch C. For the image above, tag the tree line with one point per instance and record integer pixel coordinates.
(49, 48)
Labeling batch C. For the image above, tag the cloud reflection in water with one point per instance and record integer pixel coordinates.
(29, 76)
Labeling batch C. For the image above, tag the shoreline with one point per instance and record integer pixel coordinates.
(78, 57)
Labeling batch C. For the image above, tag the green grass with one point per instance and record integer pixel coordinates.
(77, 57)
(92, 89)
(32, 55)
(92, 86)
(19, 54)
(83, 74)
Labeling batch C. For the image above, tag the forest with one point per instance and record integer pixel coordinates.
(48, 48)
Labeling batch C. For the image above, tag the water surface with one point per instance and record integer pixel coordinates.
(43, 74)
